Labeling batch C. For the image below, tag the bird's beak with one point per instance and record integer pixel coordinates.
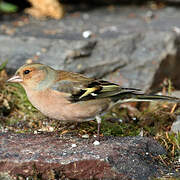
(15, 79)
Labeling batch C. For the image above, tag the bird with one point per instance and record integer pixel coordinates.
(70, 96)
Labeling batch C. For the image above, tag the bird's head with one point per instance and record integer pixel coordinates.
(34, 76)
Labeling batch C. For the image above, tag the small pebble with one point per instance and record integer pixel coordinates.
(6, 104)
(29, 107)
(141, 133)
(79, 66)
(43, 49)
(176, 29)
(134, 119)
(51, 129)
(86, 16)
(73, 145)
(149, 15)
(96, 143)
(28, 61)
(87, 34)
(85, 136)
(38, 53)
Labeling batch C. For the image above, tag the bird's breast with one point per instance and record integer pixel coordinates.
(49, 102)
(55, 105)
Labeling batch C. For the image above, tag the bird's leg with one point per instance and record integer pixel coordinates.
(98, 119)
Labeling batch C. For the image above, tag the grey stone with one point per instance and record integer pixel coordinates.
(176, 93)
(114, 158)
(136, 52)
(176, 125)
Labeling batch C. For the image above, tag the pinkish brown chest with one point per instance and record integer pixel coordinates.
(49, 102)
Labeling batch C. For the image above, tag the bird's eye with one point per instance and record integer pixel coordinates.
(26, 72)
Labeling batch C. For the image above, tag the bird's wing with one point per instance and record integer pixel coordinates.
(81, 88)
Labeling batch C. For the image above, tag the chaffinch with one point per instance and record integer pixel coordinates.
(71, 96)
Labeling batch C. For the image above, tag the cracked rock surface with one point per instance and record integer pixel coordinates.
(45, 155)
(131, 48)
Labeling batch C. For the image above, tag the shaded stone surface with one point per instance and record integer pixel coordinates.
(176, 125)
(44, 155)
(135, 46)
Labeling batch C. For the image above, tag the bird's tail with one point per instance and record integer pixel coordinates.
(135, 97)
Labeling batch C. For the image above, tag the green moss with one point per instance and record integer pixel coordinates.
(119, 129)
(18, 110)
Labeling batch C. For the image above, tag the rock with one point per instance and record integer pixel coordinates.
(173, 1)
(131, 49)
(148, 63)
(176, 93)
(45, 156)
(176, 125)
